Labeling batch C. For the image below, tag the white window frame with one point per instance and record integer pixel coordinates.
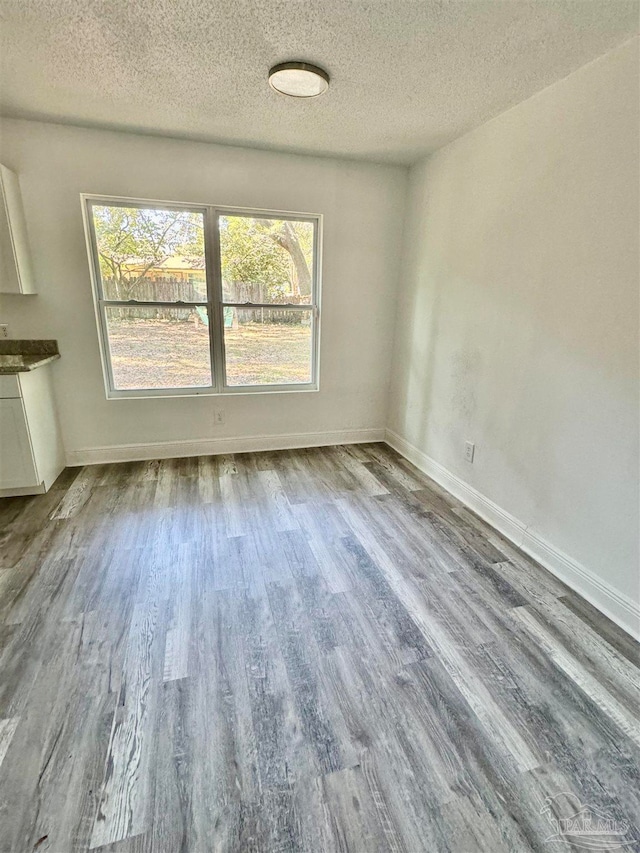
(214, 302)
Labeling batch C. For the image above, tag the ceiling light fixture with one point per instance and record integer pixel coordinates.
(298, 79)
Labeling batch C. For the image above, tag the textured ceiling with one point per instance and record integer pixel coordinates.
(407, 75)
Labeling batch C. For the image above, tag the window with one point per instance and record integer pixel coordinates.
(200, 300)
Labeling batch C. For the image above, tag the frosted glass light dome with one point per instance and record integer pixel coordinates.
(298, 79)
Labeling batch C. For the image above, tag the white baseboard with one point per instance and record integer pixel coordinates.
(616, 605)
(214, 446)
(23, 490)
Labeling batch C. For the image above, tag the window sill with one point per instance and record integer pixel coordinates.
(166, 393)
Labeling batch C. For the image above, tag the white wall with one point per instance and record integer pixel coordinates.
(517, 327)
(362, 205)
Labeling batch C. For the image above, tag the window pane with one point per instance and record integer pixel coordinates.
(150, 254)
(159, 347)
(266, 260)
(265, 346)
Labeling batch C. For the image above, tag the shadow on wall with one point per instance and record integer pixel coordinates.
(420, 315)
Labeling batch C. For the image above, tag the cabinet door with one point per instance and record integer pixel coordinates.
(16, 275)
(17, 466)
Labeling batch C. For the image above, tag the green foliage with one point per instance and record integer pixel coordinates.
(250, 255)
(133, 240)
(276, 253)
(269, 256)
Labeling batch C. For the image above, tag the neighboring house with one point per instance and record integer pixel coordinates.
(178, 267)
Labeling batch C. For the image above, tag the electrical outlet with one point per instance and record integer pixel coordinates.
(469, 450)
(218, 417)
(4, 330)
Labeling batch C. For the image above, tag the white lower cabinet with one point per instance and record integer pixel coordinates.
(31, 452)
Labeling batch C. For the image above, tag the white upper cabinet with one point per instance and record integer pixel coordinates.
(16, 273)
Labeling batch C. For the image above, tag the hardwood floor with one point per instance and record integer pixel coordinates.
(314, 650)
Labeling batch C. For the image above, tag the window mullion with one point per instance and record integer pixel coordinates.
(214, 282)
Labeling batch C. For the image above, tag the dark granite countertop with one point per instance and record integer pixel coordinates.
(19, 356)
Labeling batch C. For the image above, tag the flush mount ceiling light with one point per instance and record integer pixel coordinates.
(298, 79)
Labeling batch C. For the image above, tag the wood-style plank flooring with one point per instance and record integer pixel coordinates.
(312, 650)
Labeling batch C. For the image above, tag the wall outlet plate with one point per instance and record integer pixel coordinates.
(4, 330)
(469, 450)
(218, 417)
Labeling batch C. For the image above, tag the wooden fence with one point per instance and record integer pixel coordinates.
(255, 291)
(170, 289)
